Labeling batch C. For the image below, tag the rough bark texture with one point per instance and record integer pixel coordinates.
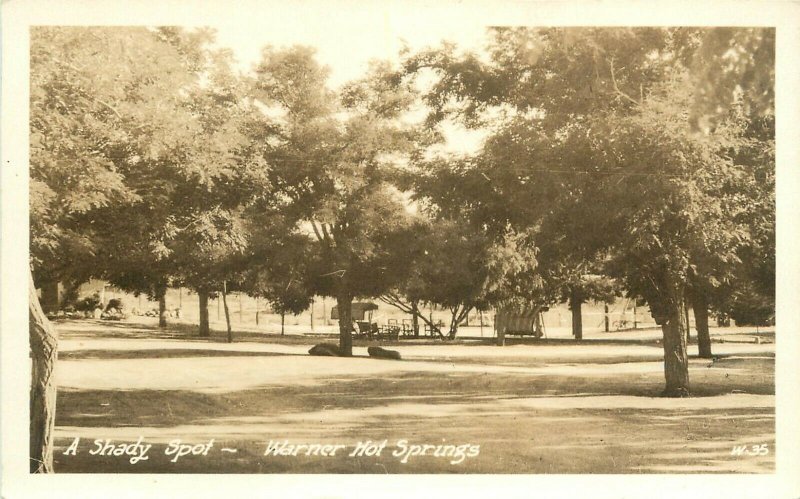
(344, 302)
(203, 296)
(162, 307)
(700, 308)
(575, 304)
(227, 312)
(43, 353)
(676, 363)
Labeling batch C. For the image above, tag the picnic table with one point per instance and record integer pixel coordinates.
(392, 330)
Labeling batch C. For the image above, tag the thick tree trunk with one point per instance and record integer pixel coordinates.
(43, 353)
(283, 321)
(700, 308)
(575, 303)
(162, 307)
(202, 294)
(676, 362)
(227, 311)
(344, 302)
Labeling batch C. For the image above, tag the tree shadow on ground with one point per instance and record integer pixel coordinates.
(102, 329)
(527, 441)
(99, 328)
(169, 353)
(99, 408)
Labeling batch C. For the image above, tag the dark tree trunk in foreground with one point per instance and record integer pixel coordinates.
(344, 302)
(676, 363)
(575, 303)
(283, 321)
(43, 353)
(227, 311)
(162, 306)
(202, 294)
(700, 308)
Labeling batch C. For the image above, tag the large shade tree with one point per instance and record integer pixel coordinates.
(598, 125)
(331, 159)
(118, 143)
(94, 122)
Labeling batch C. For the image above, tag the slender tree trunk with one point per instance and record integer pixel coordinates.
(43, 353)
(312, 314)
(457, 317)
(605, 318)
(415, 318)
(416, 314)
(700, 308)
(688, 323)
(227, 311)
(453, 329)
(283, 320)
(344, 302)
(204, 329)
(575, 303)
(162, 307)
(676, 362)
(50, 297)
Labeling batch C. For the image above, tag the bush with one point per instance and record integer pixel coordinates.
(115, 303)
(88, 304)
(750, 308)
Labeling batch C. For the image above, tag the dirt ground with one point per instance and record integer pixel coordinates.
(553, 406)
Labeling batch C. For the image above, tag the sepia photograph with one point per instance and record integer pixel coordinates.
(365, 244)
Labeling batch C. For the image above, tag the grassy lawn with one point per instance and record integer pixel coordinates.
(546, 407)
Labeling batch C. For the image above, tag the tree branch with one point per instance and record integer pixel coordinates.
(316, 232)
(109, 106)
(616, 88)
(326, 233)
(394, 300)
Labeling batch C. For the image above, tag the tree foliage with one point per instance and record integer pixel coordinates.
(601, 147)
(332, 157)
